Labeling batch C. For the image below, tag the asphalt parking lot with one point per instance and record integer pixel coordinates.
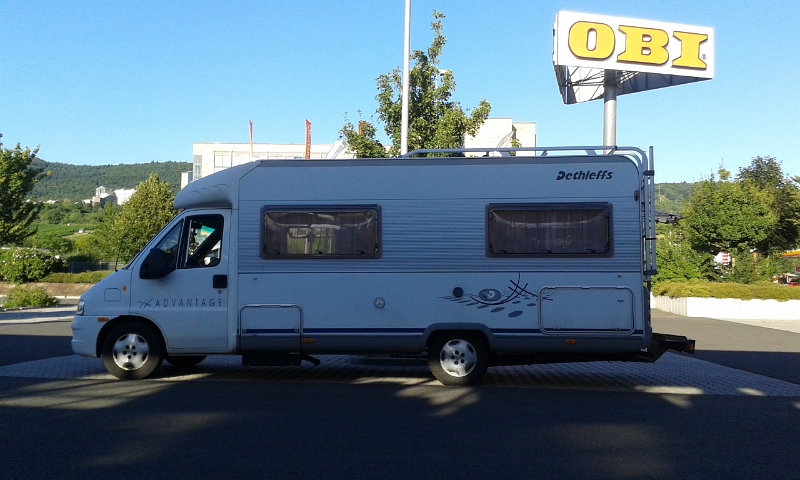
(729, 411)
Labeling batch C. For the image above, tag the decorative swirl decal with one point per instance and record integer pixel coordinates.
(492, 300)
(491, 296)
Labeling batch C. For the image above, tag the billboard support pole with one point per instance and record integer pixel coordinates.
(610, 107)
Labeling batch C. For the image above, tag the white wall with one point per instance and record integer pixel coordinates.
(729, 308)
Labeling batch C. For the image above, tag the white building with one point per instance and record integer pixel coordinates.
(501, 132)
(124, 194)
(213, 157)
(103, 195)
(209, 157)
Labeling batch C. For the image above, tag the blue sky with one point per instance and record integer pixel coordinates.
(108, 82)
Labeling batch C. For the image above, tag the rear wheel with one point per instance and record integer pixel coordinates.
(132, 351)
(458, 358)
(185, 361)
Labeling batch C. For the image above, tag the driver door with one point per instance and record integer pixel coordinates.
(190, 303)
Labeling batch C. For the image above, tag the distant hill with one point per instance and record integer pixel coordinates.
(672, 197)
(78, 182)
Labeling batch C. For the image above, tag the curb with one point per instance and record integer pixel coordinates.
(63, 301)
(33, 321)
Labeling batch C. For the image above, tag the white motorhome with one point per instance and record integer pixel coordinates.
(477, 261)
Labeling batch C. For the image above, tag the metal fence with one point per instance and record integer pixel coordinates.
(79, 267)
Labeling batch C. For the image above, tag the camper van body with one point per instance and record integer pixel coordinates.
(521, 259)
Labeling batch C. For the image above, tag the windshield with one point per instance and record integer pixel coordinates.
(165, 244)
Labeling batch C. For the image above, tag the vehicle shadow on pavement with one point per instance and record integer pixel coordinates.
(267, 429)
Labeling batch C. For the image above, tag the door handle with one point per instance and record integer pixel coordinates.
(220, 281)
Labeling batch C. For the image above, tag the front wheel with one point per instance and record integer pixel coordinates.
(458, 358)
(132, 351)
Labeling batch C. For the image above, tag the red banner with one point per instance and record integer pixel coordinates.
(308, 139)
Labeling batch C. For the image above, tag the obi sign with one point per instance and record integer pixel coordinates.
(659, 54)
(633, 45)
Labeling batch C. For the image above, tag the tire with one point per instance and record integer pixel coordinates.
(132, 351)
(458, 358)
(185, 361)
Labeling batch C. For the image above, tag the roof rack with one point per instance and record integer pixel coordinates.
(542, 151)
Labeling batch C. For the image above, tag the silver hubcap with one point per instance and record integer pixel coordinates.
(131, 351)
(458, 358)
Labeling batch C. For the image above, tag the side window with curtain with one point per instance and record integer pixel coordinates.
(546, 230)
(320, 232)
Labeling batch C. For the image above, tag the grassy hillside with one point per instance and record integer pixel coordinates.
(78, 182)
(672, 197)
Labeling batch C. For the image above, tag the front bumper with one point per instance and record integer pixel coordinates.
(84, 335)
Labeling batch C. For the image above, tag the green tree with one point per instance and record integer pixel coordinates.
(57, 244)
(363, 140)
(51, 215)
(126, 232)
(17, 178)
(678, 261)
(726, 216)
(784, 200)
(435, 120)
(89, 248)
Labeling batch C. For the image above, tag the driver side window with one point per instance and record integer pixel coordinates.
(203, 241)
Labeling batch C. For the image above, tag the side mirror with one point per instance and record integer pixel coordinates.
(155, 265)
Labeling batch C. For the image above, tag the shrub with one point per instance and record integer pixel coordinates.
(85, 277)
(80, 257)
(761, 291)
(29, 296)
(28, 265)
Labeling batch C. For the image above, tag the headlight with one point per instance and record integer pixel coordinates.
(79, 311)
